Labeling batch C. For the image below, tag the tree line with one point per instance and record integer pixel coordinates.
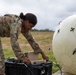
(42, 30)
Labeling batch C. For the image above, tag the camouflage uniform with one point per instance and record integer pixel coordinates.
(10, 26)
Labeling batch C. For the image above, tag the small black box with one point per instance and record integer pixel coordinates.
(13, 67)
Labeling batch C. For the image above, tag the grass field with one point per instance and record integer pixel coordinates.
(44, 39)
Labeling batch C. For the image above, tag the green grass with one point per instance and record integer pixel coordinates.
(8, 53)
(44, 39)
(52, 59)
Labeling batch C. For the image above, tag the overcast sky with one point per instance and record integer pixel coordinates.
(49, 12)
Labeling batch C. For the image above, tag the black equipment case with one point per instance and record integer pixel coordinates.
(13, 67)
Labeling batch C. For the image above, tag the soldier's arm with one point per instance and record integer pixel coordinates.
(33, 44)
(31, 41)
(1, 53)
(14, 41)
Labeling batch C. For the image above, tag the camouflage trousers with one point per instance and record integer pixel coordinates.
(2, 64)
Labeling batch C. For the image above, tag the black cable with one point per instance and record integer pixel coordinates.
(58, 66)
(29, 69)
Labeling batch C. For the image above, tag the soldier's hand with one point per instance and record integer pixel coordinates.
(26, 60)
(45, 57)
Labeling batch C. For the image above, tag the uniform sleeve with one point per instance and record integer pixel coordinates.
(31, 41)
(14, 40)
(2, 59)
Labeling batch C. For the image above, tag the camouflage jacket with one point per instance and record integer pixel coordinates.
(10, 26)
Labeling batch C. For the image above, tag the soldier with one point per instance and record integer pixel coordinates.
(10, 26)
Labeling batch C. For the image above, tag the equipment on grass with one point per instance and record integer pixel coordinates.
(15, 67)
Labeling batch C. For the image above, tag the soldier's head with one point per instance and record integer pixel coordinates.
(29, 20)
